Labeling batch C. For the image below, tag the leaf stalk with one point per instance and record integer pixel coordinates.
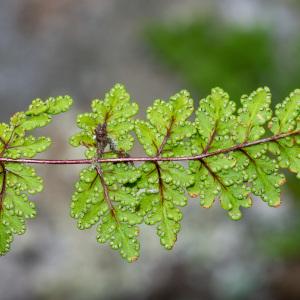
(237, 147)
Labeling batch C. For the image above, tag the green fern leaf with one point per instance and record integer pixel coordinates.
(58, 105)
(230, 159)
(287, 114)
(287, 119)
(23, 122)
(6, 238)
(261, 171)
(115, 111)
(253, 115)
(28, 146)
(218, 177)
(19, 180)
(162, 182)
(251, 167)
(24, 178)
(39, 114)
(103, 195)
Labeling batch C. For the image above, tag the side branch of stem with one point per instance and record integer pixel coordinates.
(105, 191)
(3, 188)
(160, 181)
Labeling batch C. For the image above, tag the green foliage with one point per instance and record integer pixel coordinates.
(233, 154)
(231, 178)
(203, 52)
(18, 181)
(121, 196)
(162, 183)
(103, 195)
(287, 118)
(261, 171)
(116, 111)
(221, 176)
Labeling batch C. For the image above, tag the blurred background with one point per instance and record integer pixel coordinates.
(155, 48)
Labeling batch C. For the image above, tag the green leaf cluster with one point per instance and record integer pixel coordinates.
(102, 197)
(162, 184)
(231, 155)
(232, 177)
(287, 118)
(222, 164)
(19, 181)
(116, 111)
(104, 194)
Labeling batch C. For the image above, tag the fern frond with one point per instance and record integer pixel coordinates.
(162, 183)
(287, 119)
(252, 169)
(115, 111)
(103, 194)
(234, 156)
(219, 177)
(18, 180)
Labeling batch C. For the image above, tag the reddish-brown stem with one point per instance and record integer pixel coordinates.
(213, 174)
(160, 181)
(168, 133)
(5, 147)
(158, 154)
(105, 191)
(210, 140)
(151, 159)
(247, 155)
(3, 188)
